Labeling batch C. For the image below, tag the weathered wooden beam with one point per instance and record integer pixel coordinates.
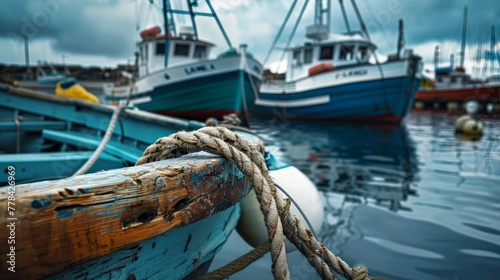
(60, 224)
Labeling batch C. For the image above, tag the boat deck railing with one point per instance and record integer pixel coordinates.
(273, 85)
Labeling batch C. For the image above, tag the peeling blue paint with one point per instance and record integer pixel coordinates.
(196, 177)
(40, 203)
(64, 213)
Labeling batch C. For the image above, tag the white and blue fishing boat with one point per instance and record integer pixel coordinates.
(333, 76)
(177, 76)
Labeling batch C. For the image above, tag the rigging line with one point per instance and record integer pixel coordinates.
(228, 42)
(293, 33)
(280, 31)
(148, 14)
(370, 9)
(136, 15)
(377, 62)
(341, 2)
(298, 208)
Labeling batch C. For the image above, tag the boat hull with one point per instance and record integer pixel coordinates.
(177, 254)
(355, 93)
(482, 94)
(198, 91)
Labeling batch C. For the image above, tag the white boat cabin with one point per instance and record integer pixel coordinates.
(451, 78)
(182, 49)
(325, 55)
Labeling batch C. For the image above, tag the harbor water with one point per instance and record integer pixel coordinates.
(410, 202)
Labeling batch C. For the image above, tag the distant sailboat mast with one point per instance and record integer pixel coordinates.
(464, 37)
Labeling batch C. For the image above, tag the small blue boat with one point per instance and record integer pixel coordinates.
(161, 220)
(51, 78)
(333, 77)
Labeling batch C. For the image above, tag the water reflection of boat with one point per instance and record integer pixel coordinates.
(359, 162)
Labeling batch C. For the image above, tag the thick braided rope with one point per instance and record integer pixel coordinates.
(293, 227)
(196, 141)
(316, 253)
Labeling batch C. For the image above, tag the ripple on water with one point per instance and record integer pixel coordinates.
(403, 249)
(485, 229)
(480, 253)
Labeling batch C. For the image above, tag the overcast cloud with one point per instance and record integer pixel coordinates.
(103, 32)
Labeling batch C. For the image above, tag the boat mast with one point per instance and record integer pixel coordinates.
(493, 51)
(436, 59)
(166, 3)
(464, 34)
(341, 2)
(320, 30)
(191, 15)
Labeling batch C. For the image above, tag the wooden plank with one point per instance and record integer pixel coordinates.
(68, 222)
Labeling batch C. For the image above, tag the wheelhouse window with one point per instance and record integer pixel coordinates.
(200, 51)
(181, 50)
(346, 52)
(160, 48)
(308, 56)
(326, 52)
(363, 53)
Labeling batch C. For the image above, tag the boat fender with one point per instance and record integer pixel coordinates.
(469, 125)
(251, 225)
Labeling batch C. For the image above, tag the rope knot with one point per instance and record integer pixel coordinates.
(359, 273)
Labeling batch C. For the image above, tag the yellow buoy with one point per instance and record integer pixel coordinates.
(469, 125)
(70, 88)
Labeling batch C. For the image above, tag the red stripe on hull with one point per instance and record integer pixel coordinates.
(484, 94)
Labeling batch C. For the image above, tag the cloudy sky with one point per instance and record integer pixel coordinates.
(104, 32)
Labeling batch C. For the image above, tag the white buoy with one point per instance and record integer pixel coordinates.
(251, 225)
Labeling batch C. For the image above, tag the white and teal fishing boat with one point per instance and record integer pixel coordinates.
(338, 76)
(177, 76)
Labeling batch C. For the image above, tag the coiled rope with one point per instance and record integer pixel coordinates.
(249, 160)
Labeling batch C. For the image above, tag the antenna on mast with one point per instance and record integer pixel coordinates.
(320, 30)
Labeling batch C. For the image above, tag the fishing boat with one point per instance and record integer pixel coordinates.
(332, 76)
(453, 85)
(161, 220)
(48, 78)
(177, 77)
